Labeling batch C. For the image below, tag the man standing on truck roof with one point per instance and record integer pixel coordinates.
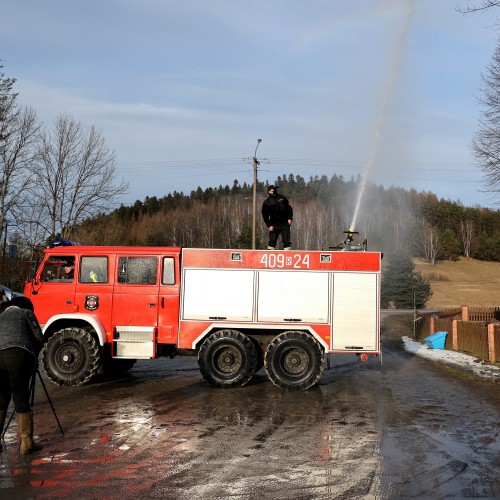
(278, 216)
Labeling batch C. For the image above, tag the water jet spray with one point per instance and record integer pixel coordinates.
(377, 131)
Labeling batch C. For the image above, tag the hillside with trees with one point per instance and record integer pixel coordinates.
(393, 220)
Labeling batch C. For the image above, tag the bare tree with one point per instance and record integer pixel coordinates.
(468, 6)
(431, 244)
(224, 215)
(7, 105)
(75, 175)
(32, 222)
(18, 132)
(17, 153)
(486, 141)
(321, 227)
(467, 235)
(304, 226)
(205, 221)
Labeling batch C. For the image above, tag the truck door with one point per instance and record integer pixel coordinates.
(54, 290)
(135, 305)
(168, 313)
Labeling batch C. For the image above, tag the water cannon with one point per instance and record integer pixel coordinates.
(350, 236)
(348, 246)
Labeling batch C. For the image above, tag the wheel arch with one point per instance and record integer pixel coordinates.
(60, 321)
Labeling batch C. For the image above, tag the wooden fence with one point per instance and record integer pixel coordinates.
(473, 330)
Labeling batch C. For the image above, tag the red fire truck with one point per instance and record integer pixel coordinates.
(238, 310)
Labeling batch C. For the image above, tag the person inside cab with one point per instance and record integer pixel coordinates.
(69, 270)
(91, 276)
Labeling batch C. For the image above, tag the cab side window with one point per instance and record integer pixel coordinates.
(58, 269)
(94, 270)
(137, 270)
(168, 277)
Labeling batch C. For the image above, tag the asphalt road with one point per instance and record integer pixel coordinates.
(406, 429)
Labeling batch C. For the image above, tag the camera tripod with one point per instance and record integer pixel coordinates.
(32, 401)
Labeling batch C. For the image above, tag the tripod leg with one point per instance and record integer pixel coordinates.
(7, 424)
(50, 401)
(32, 390)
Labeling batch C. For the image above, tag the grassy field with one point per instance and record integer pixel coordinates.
(465, 282)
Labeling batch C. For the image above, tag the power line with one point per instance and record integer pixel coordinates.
(295, 162)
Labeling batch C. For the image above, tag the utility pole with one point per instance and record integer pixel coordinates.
(254, 208)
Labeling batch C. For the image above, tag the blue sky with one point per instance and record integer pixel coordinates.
(182, 89)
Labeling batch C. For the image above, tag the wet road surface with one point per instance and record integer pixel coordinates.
(406, 429)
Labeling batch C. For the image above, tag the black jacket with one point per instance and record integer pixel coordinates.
(20, 328)
(276, 210)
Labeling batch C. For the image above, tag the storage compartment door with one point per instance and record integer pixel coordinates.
(218, 295)
(293, 296)
(355, 312)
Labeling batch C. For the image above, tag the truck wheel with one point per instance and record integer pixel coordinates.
(294, 360)
(71, 357)
(227, 358)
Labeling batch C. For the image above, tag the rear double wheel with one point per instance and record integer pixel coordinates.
(294, 360)
(227, 358)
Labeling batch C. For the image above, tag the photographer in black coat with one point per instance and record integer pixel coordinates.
(278, 216)
(21, 341)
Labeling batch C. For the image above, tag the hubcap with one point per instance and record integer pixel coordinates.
(69, 357)
(295, 361)
(228, 359)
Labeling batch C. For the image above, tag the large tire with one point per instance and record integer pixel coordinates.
(71, 357)
(294, 360)
(227, 358)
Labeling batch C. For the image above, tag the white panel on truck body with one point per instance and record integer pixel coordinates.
(218, 294)
(355, 325)
(293, 296)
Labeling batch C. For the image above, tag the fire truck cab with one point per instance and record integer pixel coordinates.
(238, 310)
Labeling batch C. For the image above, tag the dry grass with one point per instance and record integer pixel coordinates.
(465, 282)
(434, 276)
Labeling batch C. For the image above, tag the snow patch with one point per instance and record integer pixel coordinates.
(454, 358)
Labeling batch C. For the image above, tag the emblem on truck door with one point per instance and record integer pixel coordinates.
(91, 302)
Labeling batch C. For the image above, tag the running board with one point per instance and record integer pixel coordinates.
(133, 342)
